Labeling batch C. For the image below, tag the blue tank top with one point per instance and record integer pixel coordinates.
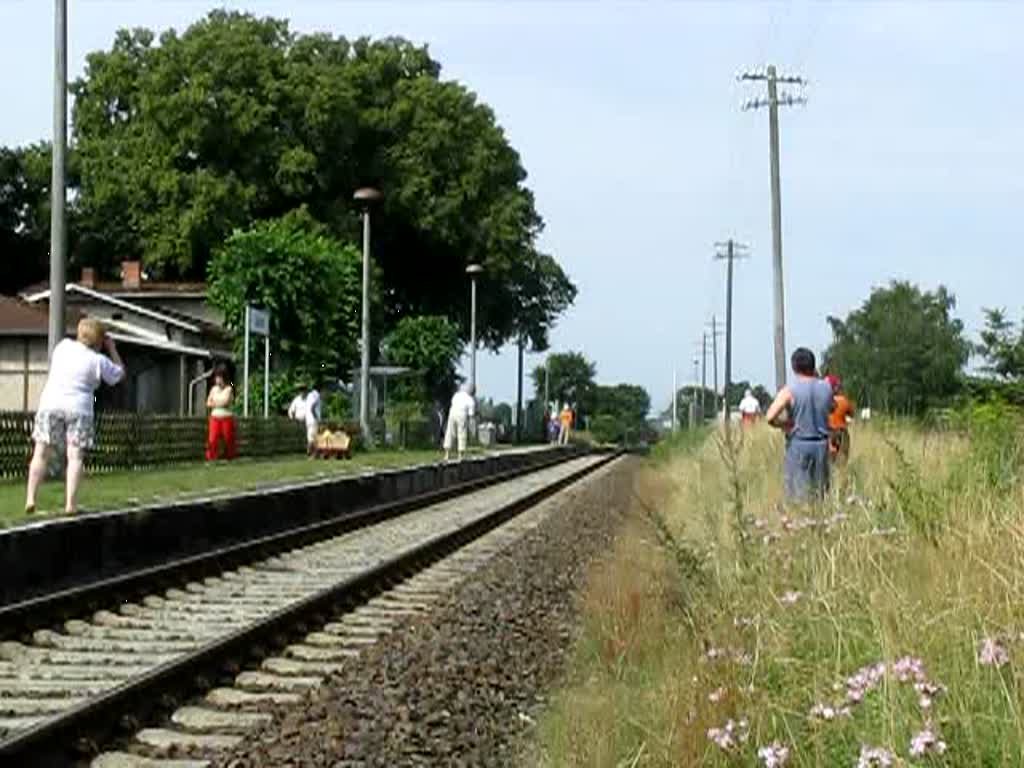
(812, 403)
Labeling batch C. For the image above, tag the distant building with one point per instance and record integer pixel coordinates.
(166, 333)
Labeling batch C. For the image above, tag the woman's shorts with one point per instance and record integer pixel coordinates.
(58, 428)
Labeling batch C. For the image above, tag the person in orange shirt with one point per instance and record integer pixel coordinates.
(838, 422)
(566, 422)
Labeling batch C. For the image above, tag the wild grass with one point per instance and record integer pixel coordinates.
(891, 618)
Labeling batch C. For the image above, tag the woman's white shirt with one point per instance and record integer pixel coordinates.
(76, 371)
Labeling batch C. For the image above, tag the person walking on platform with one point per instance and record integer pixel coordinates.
(801, 409)
(750, 409)
(65, 413)
(460, 416)
(565, 420)
(311, 413)
(839, 422)
(221, 426)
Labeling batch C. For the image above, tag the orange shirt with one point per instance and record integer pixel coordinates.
(566, 418)
(843, 408)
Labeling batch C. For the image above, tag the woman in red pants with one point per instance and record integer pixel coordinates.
(222, 420)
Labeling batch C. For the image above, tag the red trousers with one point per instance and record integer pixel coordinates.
(221, 428)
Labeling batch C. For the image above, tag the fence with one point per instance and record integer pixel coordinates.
(132, 440)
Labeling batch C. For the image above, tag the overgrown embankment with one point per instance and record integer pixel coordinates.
(886, 628)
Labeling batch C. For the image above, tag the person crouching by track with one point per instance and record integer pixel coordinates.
(221, 426)
(65, 413)
(460, 417)
(802, 409)
(839, 421)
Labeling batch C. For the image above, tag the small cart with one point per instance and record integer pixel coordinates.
(333, 445)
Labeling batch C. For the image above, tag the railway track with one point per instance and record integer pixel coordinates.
(69, 688)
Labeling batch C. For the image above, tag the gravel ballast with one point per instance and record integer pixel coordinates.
(462, 684)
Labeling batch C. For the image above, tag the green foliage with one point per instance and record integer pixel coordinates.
(1002, 345)
(431, 346)
(738, 389)
(310, 282)
(901, 350)
(704, 397)
(239, 119)
(25, 215)
(620, 413)
(572, 381)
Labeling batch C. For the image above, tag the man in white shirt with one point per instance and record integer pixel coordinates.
(460, 417)
(750, 408)
(311, 413)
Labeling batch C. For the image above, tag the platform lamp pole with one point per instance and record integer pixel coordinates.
(365, 197)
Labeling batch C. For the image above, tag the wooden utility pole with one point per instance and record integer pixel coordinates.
(772, 78)
(715, 333)
(730, 250)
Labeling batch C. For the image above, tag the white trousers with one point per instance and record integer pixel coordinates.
(458, 428)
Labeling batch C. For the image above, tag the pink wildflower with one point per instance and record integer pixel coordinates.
(829, 712)
(790, 598)
(775, 755)
(992, 653)
(864, 680)
(717, 695)
(875, 756)
(926, 692)
(730, 734)
(926, 742)
(909, 668)
(713, 653)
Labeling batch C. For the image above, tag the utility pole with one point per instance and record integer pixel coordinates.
(715, 333)
(519, 395)
(730, 250)
(675, 403)
(703, 371)
(772, 78)
(58, 186)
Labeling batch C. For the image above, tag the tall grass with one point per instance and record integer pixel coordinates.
(719, 604)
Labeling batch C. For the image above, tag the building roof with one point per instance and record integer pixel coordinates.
(190, 325)
(116, 288)
(19, 318)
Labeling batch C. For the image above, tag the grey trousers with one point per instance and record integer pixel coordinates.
(806, 470)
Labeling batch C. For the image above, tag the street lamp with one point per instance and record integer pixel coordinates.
(58, 186)
(365, 197)
(473, 270)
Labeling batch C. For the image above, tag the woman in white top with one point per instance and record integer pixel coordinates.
(222, 418)
(65, 412)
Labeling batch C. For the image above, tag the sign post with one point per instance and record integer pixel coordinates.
(257, 321)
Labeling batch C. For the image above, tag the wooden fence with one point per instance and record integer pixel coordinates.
(131, 440)
(137, 440)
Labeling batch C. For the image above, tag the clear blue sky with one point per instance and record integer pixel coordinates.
(907, 162)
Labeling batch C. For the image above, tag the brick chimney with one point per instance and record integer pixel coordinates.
(131, 274)
(88, 277)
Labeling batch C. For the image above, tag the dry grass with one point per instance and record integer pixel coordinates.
(717, 604)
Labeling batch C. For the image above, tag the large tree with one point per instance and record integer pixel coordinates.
(24, 215)
(239, 119)
(1002, 346)
(901, 350)
(310, 283)
(620, 412)
(572, 380)
(430, 346)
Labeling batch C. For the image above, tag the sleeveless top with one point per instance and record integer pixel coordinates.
(812, 403)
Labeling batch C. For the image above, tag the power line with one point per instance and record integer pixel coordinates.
(773, 100)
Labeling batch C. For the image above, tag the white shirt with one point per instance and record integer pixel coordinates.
(75, 373)
(749, 405)
(297, 410)
(312, 406)
(463, 406)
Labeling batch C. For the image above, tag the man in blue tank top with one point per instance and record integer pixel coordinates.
(801, 409)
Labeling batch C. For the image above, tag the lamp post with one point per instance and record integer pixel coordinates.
(365, 197)
(473, 270)
(58, 190)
